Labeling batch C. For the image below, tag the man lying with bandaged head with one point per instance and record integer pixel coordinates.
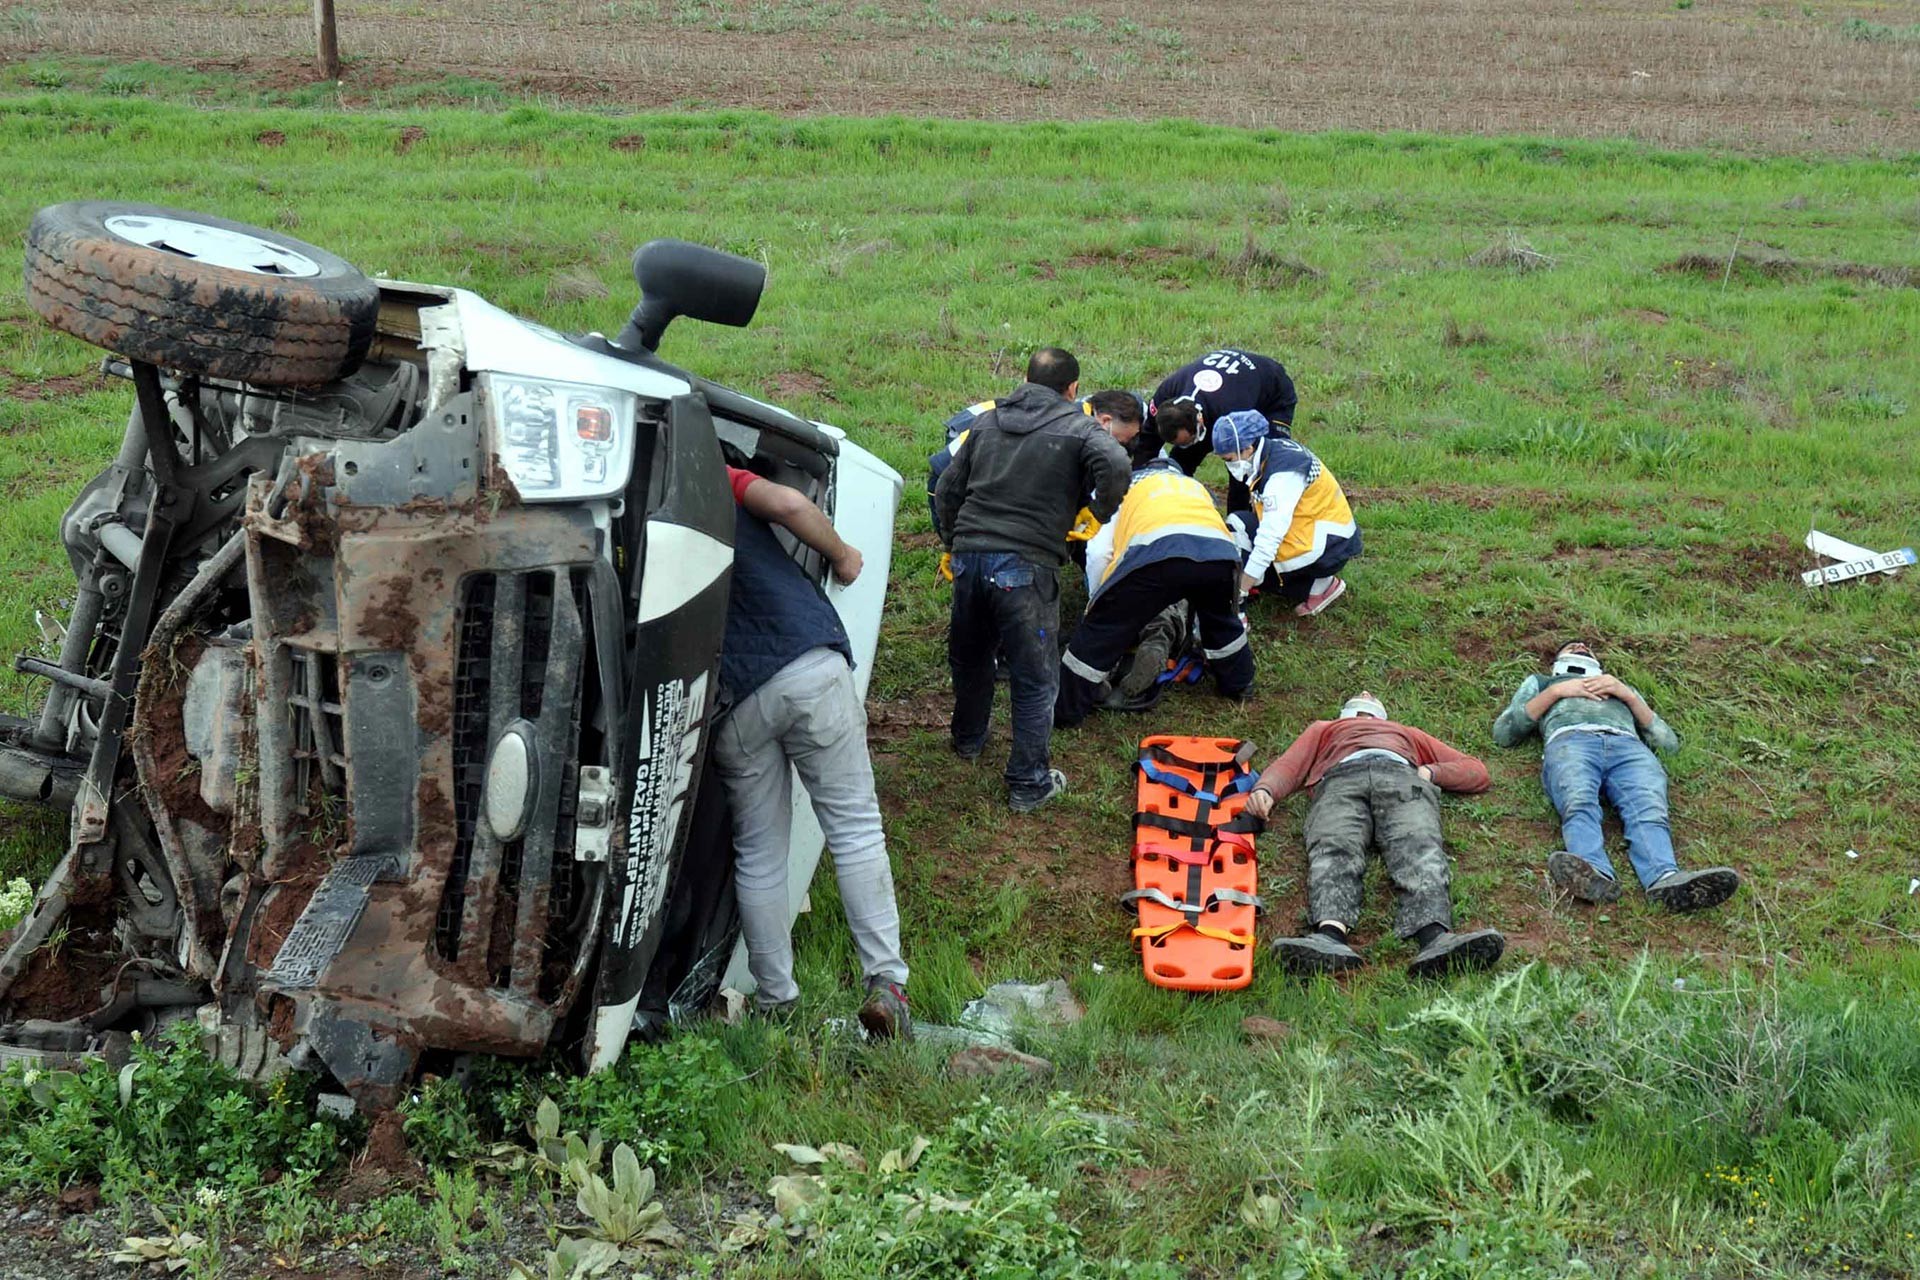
(1601, 737)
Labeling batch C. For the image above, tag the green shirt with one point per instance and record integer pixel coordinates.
(1515, 725)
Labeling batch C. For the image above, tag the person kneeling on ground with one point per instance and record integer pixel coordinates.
(1167, 545)
(1375, 782)
(1600, 741)
(1299, 530)
(786, 673)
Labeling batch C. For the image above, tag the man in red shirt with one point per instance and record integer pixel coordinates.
(1375, 783)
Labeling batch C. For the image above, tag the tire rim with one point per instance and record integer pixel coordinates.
(214, 246)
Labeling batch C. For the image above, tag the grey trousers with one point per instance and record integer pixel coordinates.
(1377, 802)
(806, 719)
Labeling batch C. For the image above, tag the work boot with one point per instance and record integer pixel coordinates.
(1056, 786)
(1458, 953)
(885, 1015)
(1315, 953)
(1574, 875)
(1694, 890)
(967, 753)
(1160, 641)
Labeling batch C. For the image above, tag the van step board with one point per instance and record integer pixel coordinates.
(322, 929)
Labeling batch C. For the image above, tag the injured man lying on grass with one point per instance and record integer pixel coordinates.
(1601, 737)
(1375, 783)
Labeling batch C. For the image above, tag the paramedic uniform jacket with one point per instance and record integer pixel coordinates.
(1302, 512)
(1227, 381)
(1165, 516)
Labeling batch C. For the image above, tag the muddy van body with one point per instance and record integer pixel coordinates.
(382, 707)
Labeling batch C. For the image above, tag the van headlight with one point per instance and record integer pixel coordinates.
(559, 441)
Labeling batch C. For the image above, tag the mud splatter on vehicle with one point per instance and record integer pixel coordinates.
(388, 682)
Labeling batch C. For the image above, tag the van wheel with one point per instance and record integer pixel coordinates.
(199, 294)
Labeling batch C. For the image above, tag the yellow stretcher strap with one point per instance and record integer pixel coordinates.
(1154, 932)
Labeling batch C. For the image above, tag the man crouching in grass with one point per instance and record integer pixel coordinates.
(1601, 737)
(1375, 783)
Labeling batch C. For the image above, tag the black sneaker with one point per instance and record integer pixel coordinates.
(1694, 890)
(969, 754)
(885, 1014)
(1574, 875)
(1315, 953)
(1056, 786)
(1458, 953)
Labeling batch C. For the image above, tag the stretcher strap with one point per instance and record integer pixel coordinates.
(1186, 670)
(1164, 756)
(1182, 853)
(1233, 896)
(1244, 824)
(1153, 933)
(1211, 792)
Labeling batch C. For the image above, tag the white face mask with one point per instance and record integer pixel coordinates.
(1576, 664)
(1248, 467)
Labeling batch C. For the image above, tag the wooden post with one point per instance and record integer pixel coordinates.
(326, 41)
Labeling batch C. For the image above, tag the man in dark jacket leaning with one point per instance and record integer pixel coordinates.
(1003, 508)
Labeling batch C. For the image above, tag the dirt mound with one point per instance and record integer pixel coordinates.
(385, 1164)
(1755, 268)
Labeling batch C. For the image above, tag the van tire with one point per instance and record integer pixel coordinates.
(156, 304)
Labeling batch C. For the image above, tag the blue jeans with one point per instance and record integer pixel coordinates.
(1579, 768)
(1004, 601)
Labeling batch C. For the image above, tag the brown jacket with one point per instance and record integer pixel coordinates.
(1327, 742)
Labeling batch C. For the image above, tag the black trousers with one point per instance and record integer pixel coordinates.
(1119, 613)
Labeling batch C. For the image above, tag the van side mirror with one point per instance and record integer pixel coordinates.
(677, 278)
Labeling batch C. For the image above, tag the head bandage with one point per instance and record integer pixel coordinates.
(1576, 664)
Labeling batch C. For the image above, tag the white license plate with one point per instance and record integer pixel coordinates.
(1856, 568)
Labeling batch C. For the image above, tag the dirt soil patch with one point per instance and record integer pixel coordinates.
(68, 983)
(301, 872)
(75, 384)
(385, 1165)
(1748, 75)
(1753, 268)
(796, 383)
(895, 719)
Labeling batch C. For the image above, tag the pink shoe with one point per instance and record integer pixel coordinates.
(1319, 600)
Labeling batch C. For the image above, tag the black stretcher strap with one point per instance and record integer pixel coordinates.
(1244, 824)
(1163, 756)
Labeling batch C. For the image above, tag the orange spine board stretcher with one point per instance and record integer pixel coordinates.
(1194, 872)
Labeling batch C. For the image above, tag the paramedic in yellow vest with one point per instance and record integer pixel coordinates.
(1166, 544)
(1300, 530)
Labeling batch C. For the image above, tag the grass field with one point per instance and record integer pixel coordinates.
(1763, 75)
(1571, 387)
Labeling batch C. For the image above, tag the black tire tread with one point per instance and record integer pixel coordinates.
(148, 305)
